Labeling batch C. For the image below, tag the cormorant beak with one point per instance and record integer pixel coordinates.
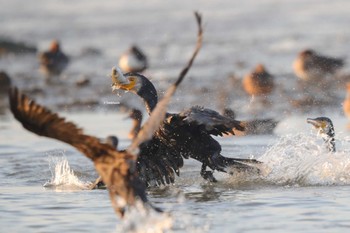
(127, 87)
(119, 81)
(321, 125)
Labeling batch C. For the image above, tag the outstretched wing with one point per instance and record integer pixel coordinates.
(211, 121)
(117, 169)
(43, 122)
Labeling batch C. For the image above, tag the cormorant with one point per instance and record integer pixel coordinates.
(183, 135)
(326, 130)
(186, 134)
(53, 61)
(259, 82)
(310, 66)
(133, 60)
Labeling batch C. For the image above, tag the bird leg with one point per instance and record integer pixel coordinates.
(207, 175)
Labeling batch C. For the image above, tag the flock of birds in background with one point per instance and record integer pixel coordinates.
(312, 69)
(180, 136)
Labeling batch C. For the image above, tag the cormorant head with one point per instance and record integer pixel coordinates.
(138, 84)
(323, 124)
(127, 82)
(325, 129)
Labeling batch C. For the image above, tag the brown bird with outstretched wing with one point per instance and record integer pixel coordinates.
(118, 169)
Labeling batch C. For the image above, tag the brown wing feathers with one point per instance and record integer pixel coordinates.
(43, 122)
(116, 168)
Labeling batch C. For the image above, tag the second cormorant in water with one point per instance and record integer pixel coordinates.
(325, 129)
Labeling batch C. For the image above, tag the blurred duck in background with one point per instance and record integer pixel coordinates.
(53, 61)
(311, 66)
(259, 82)
(133, 60)
(5, 83)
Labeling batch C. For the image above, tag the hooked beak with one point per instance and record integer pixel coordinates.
(119, 81)
(320, 125)
(315, 123)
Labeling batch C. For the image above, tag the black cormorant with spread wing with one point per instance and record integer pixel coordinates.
(187, 134)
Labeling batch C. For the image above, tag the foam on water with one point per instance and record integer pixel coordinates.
(145, 220)
(302, 160)
(63, 176)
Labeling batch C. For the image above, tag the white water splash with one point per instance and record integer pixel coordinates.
(302, 160)
(140, 219)
(63, 176)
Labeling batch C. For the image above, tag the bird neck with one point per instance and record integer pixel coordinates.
(149, 94)
(330, 141)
